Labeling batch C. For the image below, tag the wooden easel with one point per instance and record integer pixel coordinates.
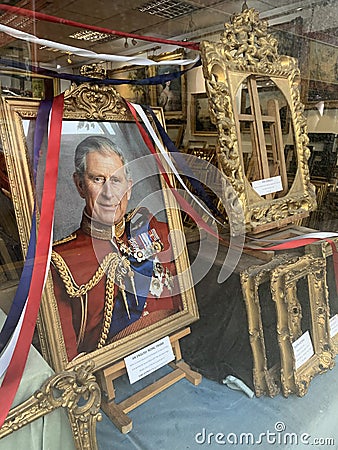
(118, 412)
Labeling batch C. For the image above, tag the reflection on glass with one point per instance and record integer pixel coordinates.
(10, 250)
(267, 136)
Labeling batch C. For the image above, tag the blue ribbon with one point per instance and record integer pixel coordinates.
(21, 293)
(143, 273)
(158, 79)
(183, 166)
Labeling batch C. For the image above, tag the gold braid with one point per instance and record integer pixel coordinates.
(73, 289)
(109, 302)
(108, 265)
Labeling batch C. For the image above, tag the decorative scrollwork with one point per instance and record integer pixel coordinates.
(95, 102)
(77, 391)
(247, 49)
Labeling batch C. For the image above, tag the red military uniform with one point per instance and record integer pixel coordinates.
(83, 315)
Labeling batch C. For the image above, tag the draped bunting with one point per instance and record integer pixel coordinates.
(89, 54)
(183, 166)
(158, 79)
(181, 200)
(45, 17)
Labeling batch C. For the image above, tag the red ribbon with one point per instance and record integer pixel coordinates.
(48, 18)
(181, 200)
(16, 367)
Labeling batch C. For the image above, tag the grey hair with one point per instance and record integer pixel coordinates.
(99, 144)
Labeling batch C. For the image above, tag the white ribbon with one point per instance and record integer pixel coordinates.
(164, 153)
(18, 34)
(320, 235)
(6, 355)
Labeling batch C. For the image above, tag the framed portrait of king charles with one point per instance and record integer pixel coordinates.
(119, 277)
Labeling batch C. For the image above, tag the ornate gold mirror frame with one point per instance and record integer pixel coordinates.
(254, 102)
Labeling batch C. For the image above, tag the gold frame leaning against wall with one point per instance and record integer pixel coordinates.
(89, 107)
(255, 144)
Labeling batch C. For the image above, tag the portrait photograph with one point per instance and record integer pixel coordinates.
(119, 276)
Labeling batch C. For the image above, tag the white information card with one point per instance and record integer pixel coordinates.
(268, 185)
(334, 325)
(148, 359)
(303, 349)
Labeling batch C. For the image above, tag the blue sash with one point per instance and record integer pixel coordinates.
(143, 272)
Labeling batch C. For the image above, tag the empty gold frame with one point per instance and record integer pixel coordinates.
(255, 104)
(323, 249)
(300, 291)
(266, 370)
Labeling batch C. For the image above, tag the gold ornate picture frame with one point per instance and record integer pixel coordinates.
(201, 124)
(246, 59)
(172, 95)
(255, 283)
(324, 250)
(17, 83)
(298, 314)
(135, 93)
(89, 109)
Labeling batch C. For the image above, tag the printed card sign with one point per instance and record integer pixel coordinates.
(303, 349)
(334, 325)
(148, 359)
(268, 185)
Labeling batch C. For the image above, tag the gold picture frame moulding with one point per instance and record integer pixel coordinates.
(323, 250)
(291, 311)
(177, 105)
(246, 56)
(94, 105)
(266, 373)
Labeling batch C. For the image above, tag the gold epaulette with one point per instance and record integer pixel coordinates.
(71, 237)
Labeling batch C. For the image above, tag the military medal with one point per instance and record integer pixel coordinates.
(161, 278)
(143, 246)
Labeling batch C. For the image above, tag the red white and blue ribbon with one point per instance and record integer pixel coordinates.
(137, 109)
(183, 167)
(18, 360)
(20, 297)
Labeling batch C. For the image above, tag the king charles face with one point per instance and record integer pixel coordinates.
(105, 187)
